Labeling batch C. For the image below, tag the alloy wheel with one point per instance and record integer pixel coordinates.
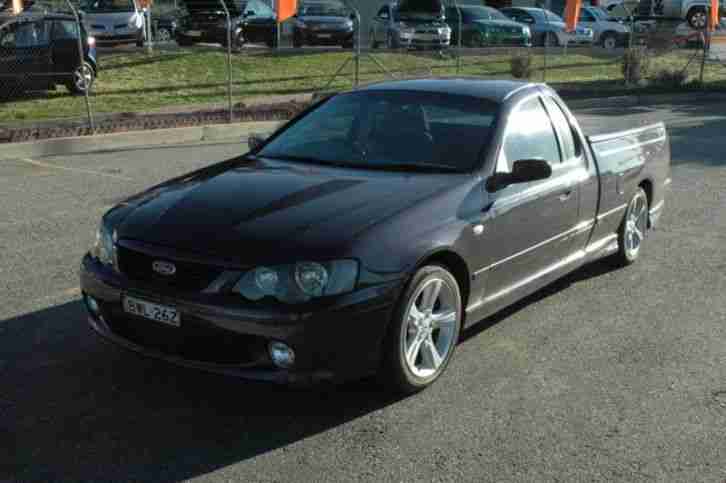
(636, 224)
(83, 78)
(430, 327)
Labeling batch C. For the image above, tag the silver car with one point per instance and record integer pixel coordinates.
(114, 21)
(397, 27)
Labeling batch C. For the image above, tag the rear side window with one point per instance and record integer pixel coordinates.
(530, 135)
(564, 131)
(65, 30)
(25, 35)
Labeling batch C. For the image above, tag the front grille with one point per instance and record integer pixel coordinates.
(194, 340)
(120, 26)
(193, 277)
(98, 27)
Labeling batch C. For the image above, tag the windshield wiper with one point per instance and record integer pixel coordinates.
(306, 160)
(420, 167)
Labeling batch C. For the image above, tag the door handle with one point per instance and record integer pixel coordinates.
(566, 195)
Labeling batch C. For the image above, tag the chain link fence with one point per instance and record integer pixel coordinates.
(237, 62)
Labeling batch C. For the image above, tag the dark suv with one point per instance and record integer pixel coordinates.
(39, 51)
(253, 21)
(323, 23)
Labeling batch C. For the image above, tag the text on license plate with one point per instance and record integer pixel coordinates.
(151, 311)
(324, 36)
(194, 33)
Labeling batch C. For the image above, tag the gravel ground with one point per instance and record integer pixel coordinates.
(606, 375)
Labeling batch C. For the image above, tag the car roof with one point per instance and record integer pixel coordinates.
(35, 15)
(492, 90)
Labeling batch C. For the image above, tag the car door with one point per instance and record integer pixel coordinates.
(527, 226)
(65, 48)
(8, 60)
(29, 45)
(587, 19)
(259, 22)
(379, 29)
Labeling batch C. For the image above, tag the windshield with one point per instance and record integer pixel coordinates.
(551, 16)
(391, 130)
(323, 10)
(482, 13)
(599, 13)
(108, 6)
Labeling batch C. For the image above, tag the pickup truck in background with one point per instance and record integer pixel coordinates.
(693, 11)
(364, 234)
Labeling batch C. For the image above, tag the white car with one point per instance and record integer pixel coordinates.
(606, 32)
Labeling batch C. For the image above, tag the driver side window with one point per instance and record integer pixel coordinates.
(530, 135)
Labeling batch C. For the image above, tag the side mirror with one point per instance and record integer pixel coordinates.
(255, 140)
(523, 171)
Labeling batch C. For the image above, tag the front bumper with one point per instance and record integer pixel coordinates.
(339, 341)
(324, 37)
(104, 37)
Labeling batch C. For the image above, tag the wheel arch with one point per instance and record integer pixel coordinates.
(455, 263)
(647, 185)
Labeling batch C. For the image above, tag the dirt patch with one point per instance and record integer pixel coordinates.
(125, 122)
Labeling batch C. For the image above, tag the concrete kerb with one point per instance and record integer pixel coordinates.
(239, 131)
(116, 141)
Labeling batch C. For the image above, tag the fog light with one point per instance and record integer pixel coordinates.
(92, 305)
(282, 355)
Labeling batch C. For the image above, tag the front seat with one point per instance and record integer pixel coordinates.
(402, 134)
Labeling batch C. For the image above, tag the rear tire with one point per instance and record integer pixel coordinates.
(424, 331)
(609, 41)
(697, 18)
(633, 228)
(551, 39)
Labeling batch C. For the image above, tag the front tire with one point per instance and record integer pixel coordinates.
(424, 331)
(697, 18)
(631, 233)
(82, 79)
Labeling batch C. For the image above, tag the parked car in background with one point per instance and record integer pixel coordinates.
(40, 51)
(411, 24)
(693, 11)
(546, 26)
(323, 23)
(483, 26)
(252, 22)
(114, 22)
(384, 222)
(165, 24)
(607, 32)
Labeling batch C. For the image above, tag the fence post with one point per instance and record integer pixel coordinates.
(706, 45)
(229, 59)
(83, 65)
(357, 46)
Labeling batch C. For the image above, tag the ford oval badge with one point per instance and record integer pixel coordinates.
(163, 268)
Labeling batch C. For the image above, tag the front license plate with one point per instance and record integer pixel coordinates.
(324, 36)
(194, 33)
(158, 313)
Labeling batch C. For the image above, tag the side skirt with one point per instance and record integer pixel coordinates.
(495, 302)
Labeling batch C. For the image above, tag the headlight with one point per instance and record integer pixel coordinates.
(526, 32)
(300, 282)
(104, 248)
(444, 32)
(349, 25)
(301, 24)
(406, 33)
(132, 22)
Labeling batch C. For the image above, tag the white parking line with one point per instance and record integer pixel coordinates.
(76, 170)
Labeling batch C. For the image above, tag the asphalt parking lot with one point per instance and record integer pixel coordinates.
(607, 375)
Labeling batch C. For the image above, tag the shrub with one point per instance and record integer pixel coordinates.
(521, 66)
(635, 64)
(670, 78)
